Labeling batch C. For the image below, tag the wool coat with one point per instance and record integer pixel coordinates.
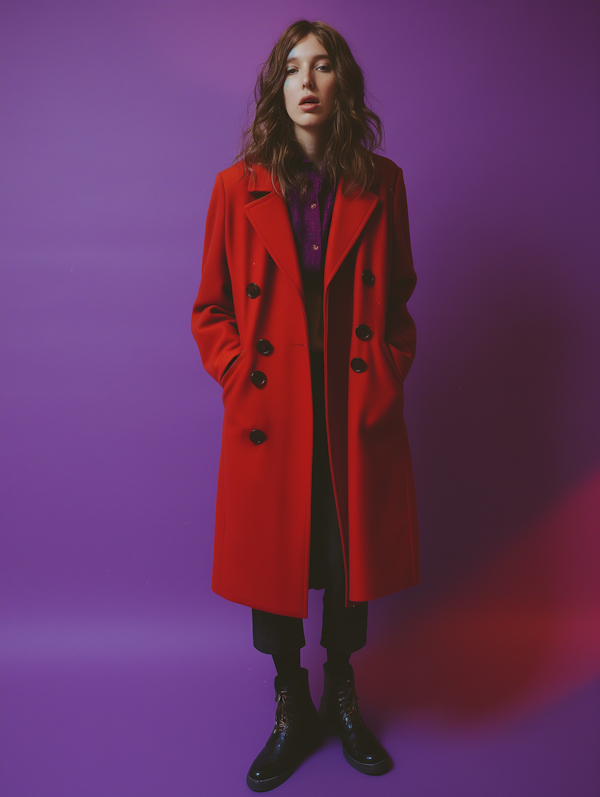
(250, 307)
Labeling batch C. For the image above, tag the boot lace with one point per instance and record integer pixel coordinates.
(283, 712)
(348, 703)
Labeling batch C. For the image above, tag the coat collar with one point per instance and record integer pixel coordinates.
(270, 218)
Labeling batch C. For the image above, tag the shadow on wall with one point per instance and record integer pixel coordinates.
(520, 634)
(490, 442)
(506, 617)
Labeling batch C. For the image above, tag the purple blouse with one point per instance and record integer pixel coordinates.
(311, 218)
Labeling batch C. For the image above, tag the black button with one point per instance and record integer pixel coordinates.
(368, 277)
(253, 290)
(358, 365)
(265, 347)
(258, 378)
(257, 436)
(364, 332)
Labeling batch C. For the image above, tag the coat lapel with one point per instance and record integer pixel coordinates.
(350, 214)
(270, 218)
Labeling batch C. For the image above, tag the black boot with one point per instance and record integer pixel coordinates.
(340, 716)
(296, 733)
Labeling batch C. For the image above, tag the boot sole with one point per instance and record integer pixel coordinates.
(272, 783)
(380, 768)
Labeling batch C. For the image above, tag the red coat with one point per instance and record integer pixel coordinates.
(251, 290)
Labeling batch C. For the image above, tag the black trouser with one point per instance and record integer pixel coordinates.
(344, 629)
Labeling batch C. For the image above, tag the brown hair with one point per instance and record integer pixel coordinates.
(355, 131)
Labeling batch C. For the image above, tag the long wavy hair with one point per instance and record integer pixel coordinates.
(354, 133)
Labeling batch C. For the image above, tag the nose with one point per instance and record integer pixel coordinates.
(307, 80)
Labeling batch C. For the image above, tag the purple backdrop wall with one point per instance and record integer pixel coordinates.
(124, 675)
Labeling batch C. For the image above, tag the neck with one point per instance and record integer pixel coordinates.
(312, 145)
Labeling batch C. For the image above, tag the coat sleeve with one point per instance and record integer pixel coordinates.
(400, 327)
(214, 324)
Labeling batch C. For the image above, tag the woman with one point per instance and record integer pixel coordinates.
(301, 316)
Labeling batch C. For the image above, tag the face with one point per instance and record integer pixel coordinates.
(310, 86)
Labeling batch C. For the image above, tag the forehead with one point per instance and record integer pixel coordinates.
(307, 48)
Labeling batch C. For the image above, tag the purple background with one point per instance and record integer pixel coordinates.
(123, 674)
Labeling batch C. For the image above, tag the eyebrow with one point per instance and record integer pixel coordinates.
(321, 57)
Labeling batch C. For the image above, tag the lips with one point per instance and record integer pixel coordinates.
(309, 101)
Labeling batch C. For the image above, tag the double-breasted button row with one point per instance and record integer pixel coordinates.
(264, 347)
(258, 378)
(368, 278)
(364, 332)
(257, 436)
(358, 365)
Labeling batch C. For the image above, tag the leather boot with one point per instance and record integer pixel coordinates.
(340, 716)
(296, 733)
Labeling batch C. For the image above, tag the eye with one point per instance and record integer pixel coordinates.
(290, 70)
(324, 67)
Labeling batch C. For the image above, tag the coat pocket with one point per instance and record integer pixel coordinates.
(231, 368)
(389, 356)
